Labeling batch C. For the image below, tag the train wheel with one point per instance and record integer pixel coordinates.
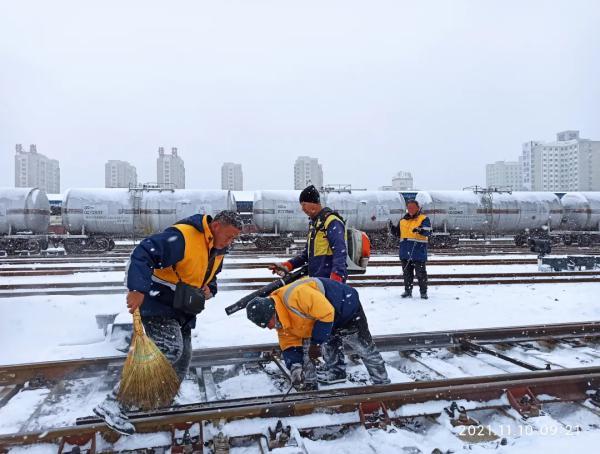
(33, 246)
(100, 244)
(584, 240)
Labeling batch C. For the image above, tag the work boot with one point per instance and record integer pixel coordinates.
(329, 377)
(310, 387)
(112, 414)
(424, 296)
(407, 294)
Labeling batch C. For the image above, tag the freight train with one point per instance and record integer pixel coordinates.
(91, 219)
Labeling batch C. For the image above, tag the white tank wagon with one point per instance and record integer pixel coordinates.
(24, 219)
(581, 218)
(102, 214)
(24, 210)
(278, 216)
(98, 211)
(523, 214)
(159, 210)
(453, 211)
(278, 212)
(368, 211)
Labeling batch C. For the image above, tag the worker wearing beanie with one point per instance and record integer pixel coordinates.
(325, 251)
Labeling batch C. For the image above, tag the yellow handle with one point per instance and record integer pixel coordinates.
(138, 327)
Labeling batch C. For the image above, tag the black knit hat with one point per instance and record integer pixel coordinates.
(310, 195)
(260, 311)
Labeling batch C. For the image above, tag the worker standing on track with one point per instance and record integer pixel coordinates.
(414, 230)
(325, 251)
(313, 314)
(183, 260)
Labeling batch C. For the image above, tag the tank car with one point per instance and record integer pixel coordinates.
(279, 217)
(96, 216)
(24, 219)
(581, 218)
(522, 214)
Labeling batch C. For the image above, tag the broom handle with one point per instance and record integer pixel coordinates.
(138, 327)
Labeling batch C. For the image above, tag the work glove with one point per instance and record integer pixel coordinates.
(314, 352)
(336, 277)
(418, 230)
(297, 375)
(280, 268)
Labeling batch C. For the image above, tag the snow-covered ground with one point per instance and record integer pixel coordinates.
(48, 328)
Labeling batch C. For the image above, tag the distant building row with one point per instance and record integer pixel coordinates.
(568, 164)
(170, 172)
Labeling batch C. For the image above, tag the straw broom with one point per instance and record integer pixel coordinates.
(148, 380)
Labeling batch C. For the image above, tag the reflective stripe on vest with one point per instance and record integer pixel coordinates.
(289, 290)
(160, 281)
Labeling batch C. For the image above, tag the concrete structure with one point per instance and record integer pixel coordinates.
(307, 171)
(34, 170)
(402, 181)
(119, 174)
(170, 169)
(504, 175)
(568, 164)
(232, 177)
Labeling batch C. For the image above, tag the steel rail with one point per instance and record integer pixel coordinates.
(17, 374)
(562, 385)
(351, 278)
(119, 288)
(120, 266)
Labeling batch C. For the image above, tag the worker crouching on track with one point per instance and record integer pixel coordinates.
(315, 315)
(325, 251)
(414, 230)
(190, 252)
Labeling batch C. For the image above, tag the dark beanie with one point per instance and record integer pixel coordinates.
(412, 201)
(310, 195)
(260, 311)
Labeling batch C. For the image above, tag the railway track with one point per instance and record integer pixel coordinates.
(254, 283)
(552, 365)
(42, 269)
(461, 251)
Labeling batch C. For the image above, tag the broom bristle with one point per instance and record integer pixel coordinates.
(148, 380)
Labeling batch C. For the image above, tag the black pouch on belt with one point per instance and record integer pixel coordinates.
(188, 299)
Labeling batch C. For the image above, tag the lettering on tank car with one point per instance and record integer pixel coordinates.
(382, 210)
(285, 211)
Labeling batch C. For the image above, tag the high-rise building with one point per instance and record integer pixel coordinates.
(33, 169)
(170, 169)
(307, 171)
(119, 174)
(504, 174)
(402, 181)
(568, 164)
(232, 177)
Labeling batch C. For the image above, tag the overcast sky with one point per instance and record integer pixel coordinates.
(438, 88)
